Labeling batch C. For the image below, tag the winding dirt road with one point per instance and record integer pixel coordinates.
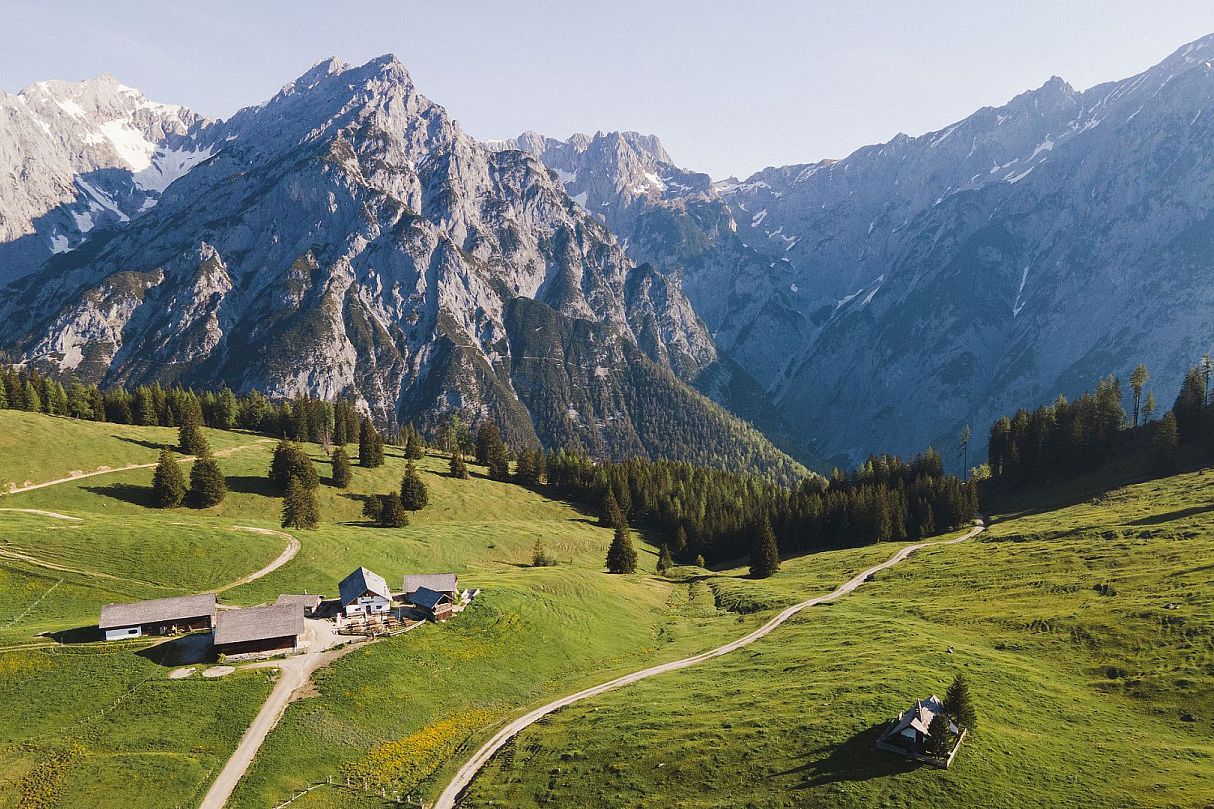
(287, 555)
(463, 777)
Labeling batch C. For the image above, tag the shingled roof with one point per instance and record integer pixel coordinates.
(362, 581)
(258, 623)
(304, 602)
(442, 582)
(920, 715)
(157, 611)
(425, 597)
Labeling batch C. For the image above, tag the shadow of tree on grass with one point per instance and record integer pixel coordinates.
(853, 760)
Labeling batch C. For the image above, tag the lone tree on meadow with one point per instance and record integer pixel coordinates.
(168, 484)
(190, 439)
(299, 509)
(459, 469)
(370, 446)
(413, 493)
(665, 561)
(765, 559)
(291, 462)
(959, 704)
(939, 737)
(392, 513)
(342, 472)
(207, 487)
(621, 556)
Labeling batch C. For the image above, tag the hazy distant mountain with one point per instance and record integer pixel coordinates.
(346, 238)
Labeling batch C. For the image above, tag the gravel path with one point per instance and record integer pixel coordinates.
(463, 777)
(287, 555)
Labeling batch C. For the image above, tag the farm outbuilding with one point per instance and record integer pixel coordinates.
(910, 733)
(308, 603)
(436, 605)
(160, 616)
(364, 593)
(259, 630)
(447, 583)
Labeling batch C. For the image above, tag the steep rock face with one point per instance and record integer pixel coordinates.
(75, 156)
(1025, 251)
(676, 221)
(346, 238)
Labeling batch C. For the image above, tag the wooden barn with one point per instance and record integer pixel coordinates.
(160, 616)
(910, 732)
(438, 582)
(308, 603)
(364, 593)
(437, 606)
(258, 631)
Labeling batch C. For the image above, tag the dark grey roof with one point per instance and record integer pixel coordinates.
(425, 597)
(442, 582)
(158, 610)
(258, 623)
(362, 581)
(307, 602)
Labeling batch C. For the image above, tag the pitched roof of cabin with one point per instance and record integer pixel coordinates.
(258, 623)
(158, 610)
(920, 715)
(362, 581)
(442, 582)
(425, 597)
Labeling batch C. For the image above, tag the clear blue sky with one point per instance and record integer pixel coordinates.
(729, 86)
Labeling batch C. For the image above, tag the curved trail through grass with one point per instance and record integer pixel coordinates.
(463, 777)
(287, 555)
(105, 470)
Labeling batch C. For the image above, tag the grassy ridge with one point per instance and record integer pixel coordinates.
(1086, 632)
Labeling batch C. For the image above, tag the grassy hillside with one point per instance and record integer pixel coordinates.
(393, 712)
(1087, 632)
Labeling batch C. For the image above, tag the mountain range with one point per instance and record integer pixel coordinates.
(347, 238)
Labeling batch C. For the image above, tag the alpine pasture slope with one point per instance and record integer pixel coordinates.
(1085, 632)
(103, 726)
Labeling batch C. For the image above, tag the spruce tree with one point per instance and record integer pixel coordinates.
(342, 472)
(373, 506)
(459, 469)
(33, 402)
(939, 737)
(765, 559)
(370, 446)
(499, 463)
(610, 514)
(207, 487)
(665, 562)
(168, 484)
(680, 542)
(959, 704)
(190, 440)
(3, 395)
(413, 444)
(392, 513)
(291, 461)
(413, 492)
(621, 556)
(488, 437)
(299, 509)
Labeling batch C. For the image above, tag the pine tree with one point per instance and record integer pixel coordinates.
(190, 440)
(373, 507)
(207, 487)
(610, 514)
(499, 463)
(680, 542)
(665, 562)
(413, 444)
(1164, 441)
(765, 559)
(392, 513)
(370, 446)
(291, 461)
(939, 737)
(540, 557)
(959, 704)
(459, 469)
(342, 473)
(621, 556)
(413, 492)
(488, 437)
(168, 484)
(3, 394)
(1138, 379)
(33, 402)
(299, 508)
